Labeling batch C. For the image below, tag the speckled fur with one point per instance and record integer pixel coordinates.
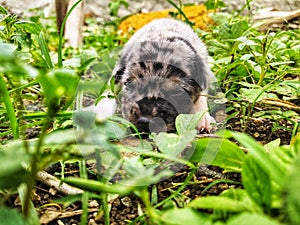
(163, 71)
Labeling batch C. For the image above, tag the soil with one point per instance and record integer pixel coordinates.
(126, 208)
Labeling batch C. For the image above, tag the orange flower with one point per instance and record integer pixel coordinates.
(197, 14)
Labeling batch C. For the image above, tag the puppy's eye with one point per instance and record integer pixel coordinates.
(128, 81)
(162, 114)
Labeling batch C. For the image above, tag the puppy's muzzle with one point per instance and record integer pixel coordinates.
(149, 125)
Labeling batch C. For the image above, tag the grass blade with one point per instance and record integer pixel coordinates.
(61, 34)
(45, 50)
(9, 108)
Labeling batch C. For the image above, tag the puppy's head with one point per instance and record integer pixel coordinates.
(154, 94)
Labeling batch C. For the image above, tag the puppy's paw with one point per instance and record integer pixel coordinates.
(206, 123)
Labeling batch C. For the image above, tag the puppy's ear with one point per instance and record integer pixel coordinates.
(203, 75)
(118, 73)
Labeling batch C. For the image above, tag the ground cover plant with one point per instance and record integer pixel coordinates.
(247, 171)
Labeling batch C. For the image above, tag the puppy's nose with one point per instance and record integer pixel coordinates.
(143, 124)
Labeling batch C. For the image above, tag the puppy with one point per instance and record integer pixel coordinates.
(163, 72)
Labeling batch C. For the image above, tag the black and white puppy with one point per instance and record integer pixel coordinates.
(163, 71)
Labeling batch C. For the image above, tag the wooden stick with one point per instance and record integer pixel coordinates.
(265, 25)
(52, 181)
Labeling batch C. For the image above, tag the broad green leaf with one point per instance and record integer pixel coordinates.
(272, 144)
(257, 183)
(6, 51)
(252, 96)
(59, 83)
(259, 155)
(245, 42)
(218, 152)
(185, 216)
(242, 196)
(13, 164)
(187, 122)
(60, 137)
(67, 79)
(173, 144)
(10, 217)
(141, 175)
(233, 30)
(247, 218)
(283, 156)
(29, 27)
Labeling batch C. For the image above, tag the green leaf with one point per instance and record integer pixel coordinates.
(13, 164)
(9, 108)
(141, 175)
(242, 196)
(272, 144)
(283, 156)
(292, 187)
(29, 27)
(257, 183)
(218, 152)
(12, 217)
(32, 216)
(214, 4)
(59, 83)
(220, 203)
(245, 42)
(185, 216)
(252, 96)
(115, 5)
(173, 144)
(247, 218)
(6, 51)
(60, 137)
(45, 50)
(233, 30)
(187, 122)
(259, 155)
(3, 10)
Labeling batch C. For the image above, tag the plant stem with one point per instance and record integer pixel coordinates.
(104, 204)
(85, 196)
(144, 194)
(34, 164)
(181, 12)
(265, 49)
